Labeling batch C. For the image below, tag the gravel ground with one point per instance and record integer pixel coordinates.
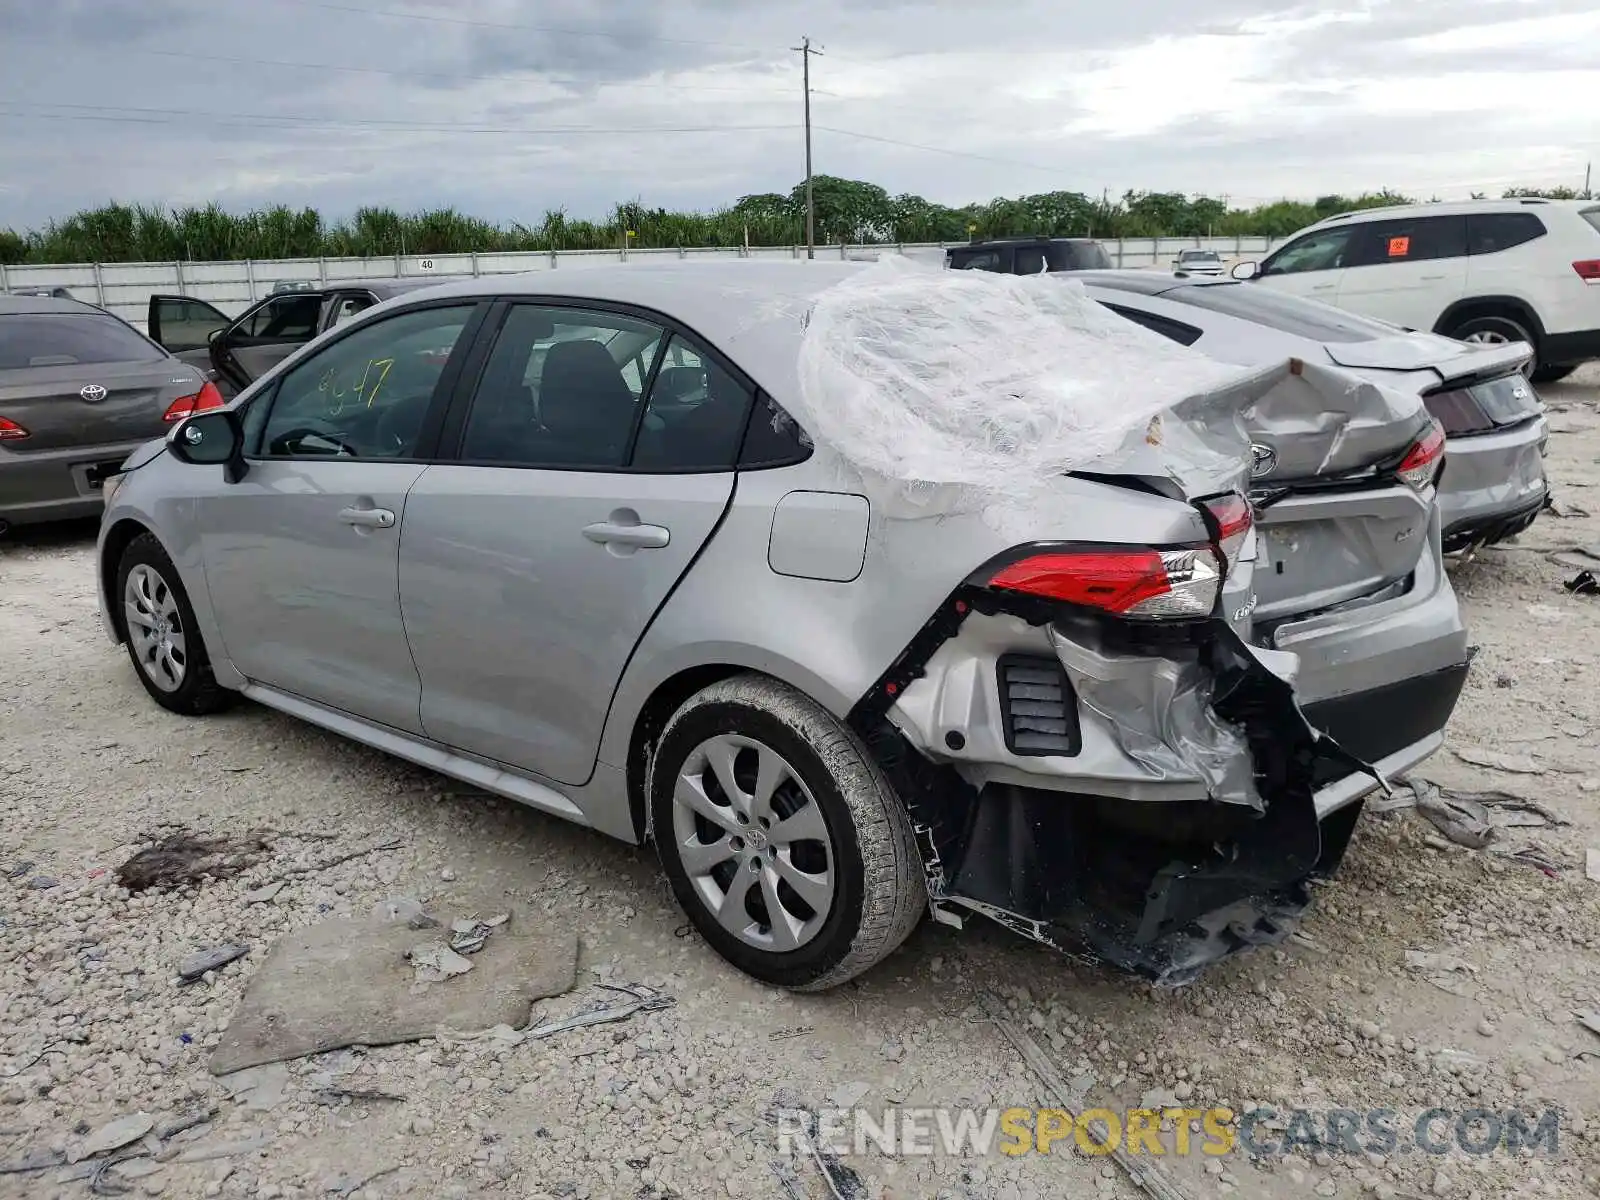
(95, 1027)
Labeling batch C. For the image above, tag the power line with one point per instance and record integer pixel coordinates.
(608, 35)
(157, 116)
(1006, 162)
(452, 76)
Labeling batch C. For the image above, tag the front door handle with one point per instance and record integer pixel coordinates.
(633, 536)
(372, 518)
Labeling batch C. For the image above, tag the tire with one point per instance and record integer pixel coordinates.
(1547, 373)
(1497, 329)
(824, 783)
(168, 654)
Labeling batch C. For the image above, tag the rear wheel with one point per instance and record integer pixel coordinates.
(161, 634)
(1496, 330)
(782, 839)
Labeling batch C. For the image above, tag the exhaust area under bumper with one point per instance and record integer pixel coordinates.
(1251, 797)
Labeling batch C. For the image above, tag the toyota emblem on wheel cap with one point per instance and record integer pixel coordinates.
(93, 393)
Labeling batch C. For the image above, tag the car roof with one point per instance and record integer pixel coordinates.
(752, 309)
(1446, 208)
(17, 305)
(1017, 241)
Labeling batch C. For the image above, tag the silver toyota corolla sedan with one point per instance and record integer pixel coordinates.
(561, 536)
(1493, 485)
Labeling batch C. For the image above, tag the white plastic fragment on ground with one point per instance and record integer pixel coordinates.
(928, 380)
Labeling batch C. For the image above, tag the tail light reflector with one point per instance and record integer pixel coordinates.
(1420, 466)
(10, 431)
(1588, 270)
(1234, 516)
(1129, 582)
(207, 398)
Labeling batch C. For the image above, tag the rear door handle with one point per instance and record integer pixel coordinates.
(640, 537)
(372, 518)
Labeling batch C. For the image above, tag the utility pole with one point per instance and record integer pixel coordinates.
(1587, 167)
(805, 51)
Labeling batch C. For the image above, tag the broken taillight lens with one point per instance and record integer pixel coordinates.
(1234, 516)
(1130, 582)
(208, 397)
(10, 431)
(1420, 466)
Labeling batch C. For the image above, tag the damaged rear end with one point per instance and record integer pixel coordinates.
(1094, 753)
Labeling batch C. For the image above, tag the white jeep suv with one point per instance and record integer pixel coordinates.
(1517, 270)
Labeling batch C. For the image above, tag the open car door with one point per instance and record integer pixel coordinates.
(185, 326)
(264, 336)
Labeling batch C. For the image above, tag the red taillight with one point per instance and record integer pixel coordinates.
(1130, 582)
(1420, 466)
(10, 431)
(186, 406)
(1588, 270)
(1234, 516)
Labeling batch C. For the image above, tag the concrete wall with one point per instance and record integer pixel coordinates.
(125, 288)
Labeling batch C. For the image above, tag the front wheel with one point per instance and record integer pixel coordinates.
(161, 634)
(780, 836)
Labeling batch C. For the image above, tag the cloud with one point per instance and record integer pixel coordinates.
(482, 104)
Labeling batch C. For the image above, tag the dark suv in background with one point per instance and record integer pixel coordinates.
(1029, 256)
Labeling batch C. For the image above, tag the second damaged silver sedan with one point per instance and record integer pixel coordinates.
(857, 590)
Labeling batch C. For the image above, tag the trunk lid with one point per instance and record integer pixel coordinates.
(1334, 525)
(92, 404)
(1445, 357)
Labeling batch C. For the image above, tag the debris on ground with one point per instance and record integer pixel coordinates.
(348, 982)
(114, 1135)
(1565, 509)
(1584, 583)
(642, 999)
(197, 965)
(1590, 1020)
(1591, 864)
(186, 857)
(469, 935)
(842, 1182)
(1579, 558)
(435, 962)
(1148, 1176)
(259, 1089)
(1464, 822)
(1511, 764)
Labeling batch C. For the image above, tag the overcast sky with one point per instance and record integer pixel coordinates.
(505, 108)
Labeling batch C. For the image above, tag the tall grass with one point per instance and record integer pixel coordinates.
(845, 210)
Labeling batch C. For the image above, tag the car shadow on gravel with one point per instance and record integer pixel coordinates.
(54, 535)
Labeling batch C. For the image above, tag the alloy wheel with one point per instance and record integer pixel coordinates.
(753, 842)
(155, 628)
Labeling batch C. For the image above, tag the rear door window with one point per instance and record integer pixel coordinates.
(68, 339)
(1078, 256)
(1409, 239)
(1488, 233)
(290, 317)
(983, 260)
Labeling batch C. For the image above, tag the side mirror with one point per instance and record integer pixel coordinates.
(209, 439)
(1245, 270)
